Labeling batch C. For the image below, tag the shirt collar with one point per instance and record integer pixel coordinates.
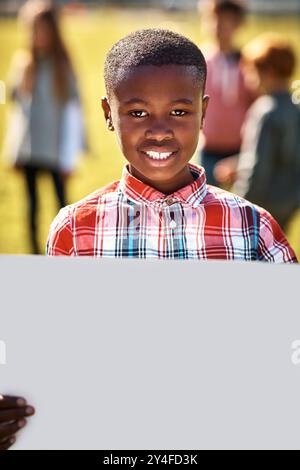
(137, 191)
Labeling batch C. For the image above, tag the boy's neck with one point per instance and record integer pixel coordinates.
(181, 180)
(277, 86)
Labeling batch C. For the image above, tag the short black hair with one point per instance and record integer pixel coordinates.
(235, 7)
(152, 46)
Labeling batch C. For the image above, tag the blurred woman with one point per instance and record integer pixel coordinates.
(48, 133)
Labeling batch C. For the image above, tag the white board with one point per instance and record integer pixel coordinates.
(130, 354)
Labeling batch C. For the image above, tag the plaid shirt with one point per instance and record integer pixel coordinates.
(128, 218)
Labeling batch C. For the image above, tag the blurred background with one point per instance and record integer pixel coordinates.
(89, 28)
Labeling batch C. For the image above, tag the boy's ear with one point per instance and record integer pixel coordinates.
(107, 113)
(205, 102)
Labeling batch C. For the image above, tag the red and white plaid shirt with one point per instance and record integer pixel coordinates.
(128, 218)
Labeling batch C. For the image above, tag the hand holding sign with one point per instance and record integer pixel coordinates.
(13, 411)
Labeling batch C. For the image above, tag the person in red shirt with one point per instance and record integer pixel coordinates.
(162, 207)
(230, 95)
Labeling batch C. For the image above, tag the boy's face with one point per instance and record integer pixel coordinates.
(260, 81)
(157, 113)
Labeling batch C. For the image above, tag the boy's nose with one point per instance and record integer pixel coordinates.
(159, 131)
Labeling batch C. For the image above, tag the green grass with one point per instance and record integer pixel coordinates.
(89, 37)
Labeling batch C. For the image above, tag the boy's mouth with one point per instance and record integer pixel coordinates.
(159, 157)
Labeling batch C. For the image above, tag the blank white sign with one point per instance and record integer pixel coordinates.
(131, 354)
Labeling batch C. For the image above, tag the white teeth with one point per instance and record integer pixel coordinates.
(159, 156)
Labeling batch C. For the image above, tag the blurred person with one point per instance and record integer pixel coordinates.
(45, 133)
(268, 168)
(231, 97)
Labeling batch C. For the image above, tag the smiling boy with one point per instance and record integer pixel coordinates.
(162, 206)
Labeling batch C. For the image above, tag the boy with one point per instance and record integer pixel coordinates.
(162, 207)
(268, 171)
(230, 95)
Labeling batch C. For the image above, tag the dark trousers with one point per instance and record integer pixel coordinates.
(31, 173)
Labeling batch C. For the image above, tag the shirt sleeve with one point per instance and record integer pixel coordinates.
(60, 238)
(272, 244)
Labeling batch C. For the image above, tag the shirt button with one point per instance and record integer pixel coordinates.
(170, 201)
(173, 224)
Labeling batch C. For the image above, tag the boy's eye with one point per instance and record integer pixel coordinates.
(137, 113)
(180, 111)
